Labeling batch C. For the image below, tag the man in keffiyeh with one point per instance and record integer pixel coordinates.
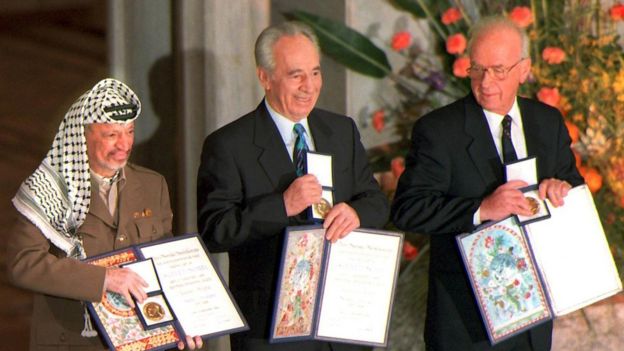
(85, 199)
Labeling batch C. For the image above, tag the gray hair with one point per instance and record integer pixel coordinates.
(267, 39)
(491, 23)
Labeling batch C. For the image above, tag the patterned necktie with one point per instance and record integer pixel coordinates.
(509, 153)
(300, 149)
(108, 192)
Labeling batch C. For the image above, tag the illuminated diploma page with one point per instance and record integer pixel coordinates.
(193, 287)
(358, 287)
(573, 254)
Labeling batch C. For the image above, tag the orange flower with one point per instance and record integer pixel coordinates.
(521, 16)
(398, 166)
(410, 251)
(592, 177)
(553, 55)
(456, 44)
(451, 16)
(549, 96)
(401, 40)
(379, 120)
(460, 67)
(573, 131)
(617, 12)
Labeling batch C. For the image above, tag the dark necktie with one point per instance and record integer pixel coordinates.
(300, 149)
(509, 153)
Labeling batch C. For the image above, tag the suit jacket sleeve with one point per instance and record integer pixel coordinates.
(226, 217)
(565, 162)
(367, 200)
(425, 200)
(35, 265)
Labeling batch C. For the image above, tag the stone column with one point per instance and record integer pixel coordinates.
(216, 77)
(191, 63)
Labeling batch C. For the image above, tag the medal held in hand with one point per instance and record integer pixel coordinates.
(320, 165)
(322, 208)
(535, 206)
(539, 208)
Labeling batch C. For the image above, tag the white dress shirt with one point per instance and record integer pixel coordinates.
(517, 138)
(285, 127)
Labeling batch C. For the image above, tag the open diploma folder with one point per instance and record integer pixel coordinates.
(194, 298)
(339, 292)
(526, 275)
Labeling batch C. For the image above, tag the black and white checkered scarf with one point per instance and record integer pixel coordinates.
(57, 195)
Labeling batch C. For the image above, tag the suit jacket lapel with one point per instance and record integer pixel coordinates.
(129, 198)
(273, 156)
(322, 134)
(98, 209)
(531, 129)
(482, 149)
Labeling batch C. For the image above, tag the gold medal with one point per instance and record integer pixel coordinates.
(534, 204)
(153, 311)
(322, 208)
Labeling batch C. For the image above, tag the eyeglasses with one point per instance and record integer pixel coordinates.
(498, 72)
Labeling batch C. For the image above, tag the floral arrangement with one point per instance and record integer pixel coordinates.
(578, 67)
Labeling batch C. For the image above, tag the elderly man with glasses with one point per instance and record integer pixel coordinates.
(450, 188)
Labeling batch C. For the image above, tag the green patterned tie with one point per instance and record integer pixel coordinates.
(300, 149)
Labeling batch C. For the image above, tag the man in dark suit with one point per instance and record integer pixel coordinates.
(248, 190)
(454, 179)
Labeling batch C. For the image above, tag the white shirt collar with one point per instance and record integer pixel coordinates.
(517, 132)
(104, 183)
(285, 127)
(514, 113)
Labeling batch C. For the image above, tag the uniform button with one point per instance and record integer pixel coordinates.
(62, 337)
(122, 237)
(153, 230)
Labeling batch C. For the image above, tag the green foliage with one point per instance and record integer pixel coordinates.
(346, 45)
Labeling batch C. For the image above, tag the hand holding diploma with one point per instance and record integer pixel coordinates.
(340, 221)
(191, 342)
(125, 282)
(555, 190)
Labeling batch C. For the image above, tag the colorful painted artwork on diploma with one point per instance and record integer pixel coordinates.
(119, 320)
(505, 279)
(299, 283)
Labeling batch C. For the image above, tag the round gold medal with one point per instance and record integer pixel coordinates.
(534, 204)
(153, 311)
(322, 208)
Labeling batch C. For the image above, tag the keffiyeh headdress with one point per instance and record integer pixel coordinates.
(57, 195)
